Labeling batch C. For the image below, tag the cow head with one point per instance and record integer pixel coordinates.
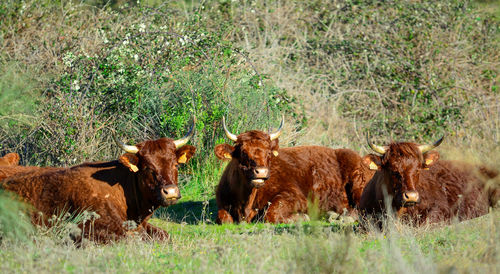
(155, 163)
(10, 159)
(401, 164)
(253, 151)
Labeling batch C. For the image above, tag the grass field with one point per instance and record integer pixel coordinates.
(318, 247)
(72, 71)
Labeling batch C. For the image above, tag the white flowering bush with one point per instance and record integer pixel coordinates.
(149, 80)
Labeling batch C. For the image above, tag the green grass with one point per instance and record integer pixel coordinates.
(14, 224)
(317, 247)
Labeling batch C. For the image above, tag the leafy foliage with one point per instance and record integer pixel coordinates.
(14, 224)
(150, 79)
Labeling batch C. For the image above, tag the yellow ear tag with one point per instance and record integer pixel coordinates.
(275, 153)
(227, 156)
(373, 166)
(428, 162)
(182, 159)
(132, 167)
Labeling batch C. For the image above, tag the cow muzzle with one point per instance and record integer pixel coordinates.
(260, 175)
(410, 198)
(170, 194)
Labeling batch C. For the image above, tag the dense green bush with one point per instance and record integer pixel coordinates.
(148, 79)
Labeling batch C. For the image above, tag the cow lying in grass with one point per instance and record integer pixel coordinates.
(275, 184)
(119, 192)
(421, 189)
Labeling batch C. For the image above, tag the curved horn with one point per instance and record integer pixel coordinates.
(182, 141)
(127, 148)
(376, 148)
(277, 133)
(425, 148)
(228, 134)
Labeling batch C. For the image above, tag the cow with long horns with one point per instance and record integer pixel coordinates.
(123, 193)
(265, 182)
(419, 188)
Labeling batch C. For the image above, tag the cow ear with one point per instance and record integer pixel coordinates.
(224, 151)
(372, 161)
(12, 158)
(129, 160)
(275, 147)
(430, 158)
(185, 153)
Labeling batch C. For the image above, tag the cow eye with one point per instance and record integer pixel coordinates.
(396, 175)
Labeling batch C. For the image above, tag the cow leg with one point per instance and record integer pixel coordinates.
(286, 208)
(156, 233)
(250, 212)
(223, 217)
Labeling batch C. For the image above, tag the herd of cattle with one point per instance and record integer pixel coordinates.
(261, 182)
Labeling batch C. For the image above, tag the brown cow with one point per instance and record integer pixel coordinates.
(8, 171)
(121, 192)
(9, 159)
(275, 184)
(422, 189)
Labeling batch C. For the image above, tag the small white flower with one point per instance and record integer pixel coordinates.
(136, 57)
(75, 86)
(142, 27)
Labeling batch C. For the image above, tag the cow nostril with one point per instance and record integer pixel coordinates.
(410, 196)
(170, 192)
(261, 172)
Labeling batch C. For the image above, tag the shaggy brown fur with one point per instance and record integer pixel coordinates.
(7, 171)
(334, 178)
(9, 166)
(129, 189)
(9, 159)
(446, 189)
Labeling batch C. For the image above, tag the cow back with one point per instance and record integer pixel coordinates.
(334, 178)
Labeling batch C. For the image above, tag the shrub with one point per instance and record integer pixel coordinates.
(14, 224)
(148, 79)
